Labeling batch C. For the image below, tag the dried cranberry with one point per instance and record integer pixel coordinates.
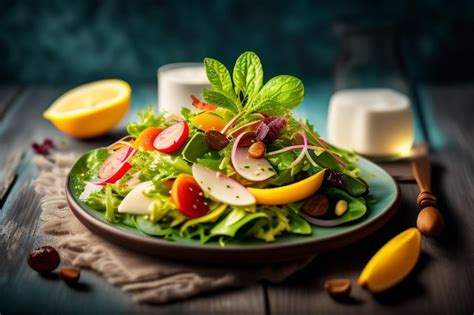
(43, 148)
(269, 129)
(44, 259)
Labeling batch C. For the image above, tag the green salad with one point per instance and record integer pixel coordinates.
(239, 166)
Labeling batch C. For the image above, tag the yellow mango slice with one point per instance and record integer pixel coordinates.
(393, 262)
(207, 121)
(289, 193)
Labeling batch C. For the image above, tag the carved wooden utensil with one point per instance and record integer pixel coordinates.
(430, 221)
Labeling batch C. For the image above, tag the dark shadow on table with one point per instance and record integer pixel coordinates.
(409, 288)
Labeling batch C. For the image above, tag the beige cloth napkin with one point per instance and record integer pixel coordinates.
(147, 279)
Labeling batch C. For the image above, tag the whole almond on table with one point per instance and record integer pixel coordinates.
(257, 150)
(70, 275)
(338, 288)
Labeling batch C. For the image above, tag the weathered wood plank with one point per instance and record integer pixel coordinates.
(443, 281)
(23, 289)
(7, 95)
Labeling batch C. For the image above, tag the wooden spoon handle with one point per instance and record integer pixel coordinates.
(430, 221)
(422, 172)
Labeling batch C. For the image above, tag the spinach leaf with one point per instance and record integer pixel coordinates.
(356, 205)
(196, 148)
(284, 89)
(219, 78)
(248, 74)
(221, 100)
(236, 219)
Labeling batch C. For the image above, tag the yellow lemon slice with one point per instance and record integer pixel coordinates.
(289, 193)
(392, 262)
(91, 109)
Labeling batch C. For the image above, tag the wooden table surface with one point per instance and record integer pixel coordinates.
(442, 282)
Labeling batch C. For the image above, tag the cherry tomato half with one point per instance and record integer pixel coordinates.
(189, 197)
(146, 138)
(172, 138)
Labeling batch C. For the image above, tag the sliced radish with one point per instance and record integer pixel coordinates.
(135, 202)
(172, 138)
(115, 166)
(249, 168)
(221, 188)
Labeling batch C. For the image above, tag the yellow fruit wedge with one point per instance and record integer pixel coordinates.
(393, 262)
(289, 193)
(208, 121)
(92, 109)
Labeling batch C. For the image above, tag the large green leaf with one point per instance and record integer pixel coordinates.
(248, 74)
(221, 100)
(284, 89)
(219, 77)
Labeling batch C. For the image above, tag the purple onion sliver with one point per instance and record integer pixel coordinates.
(262, 131)
(319, 222)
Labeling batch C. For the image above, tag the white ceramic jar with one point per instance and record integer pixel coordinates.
(375, 122)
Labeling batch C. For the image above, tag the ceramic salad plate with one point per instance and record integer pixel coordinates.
(238, 180)
(383, 189)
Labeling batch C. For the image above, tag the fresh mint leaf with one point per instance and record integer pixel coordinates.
(248, 74)
(219, 78)
(284, 89)
(221, 100)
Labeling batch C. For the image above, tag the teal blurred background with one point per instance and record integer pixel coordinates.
(72, 42)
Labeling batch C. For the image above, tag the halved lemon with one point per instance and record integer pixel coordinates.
(92, 109)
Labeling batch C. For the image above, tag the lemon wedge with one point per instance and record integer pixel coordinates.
(92, 109)
(393, 262)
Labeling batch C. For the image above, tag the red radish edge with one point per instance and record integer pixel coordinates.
(181, 138)
(120, 172)
(234, 150)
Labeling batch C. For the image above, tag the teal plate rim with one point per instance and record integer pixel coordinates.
(286, 247)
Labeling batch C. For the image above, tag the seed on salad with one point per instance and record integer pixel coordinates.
(44, 259)
(70, 275)
(338, 288)
(257, 150)
(247, 140)
(316, 206)
(341, 207)
(216, 140)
